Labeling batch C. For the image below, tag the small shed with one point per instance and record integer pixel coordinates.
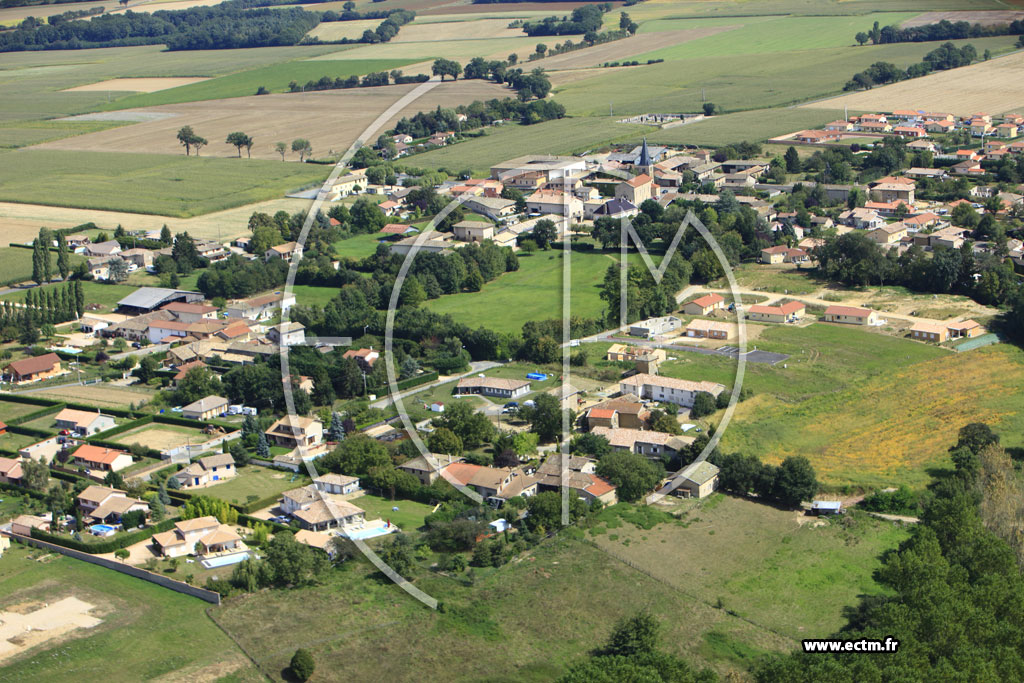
(826, 507)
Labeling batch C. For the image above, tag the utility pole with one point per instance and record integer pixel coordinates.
(610, 109)
(702, 98)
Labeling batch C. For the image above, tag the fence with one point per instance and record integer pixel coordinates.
(137, 572)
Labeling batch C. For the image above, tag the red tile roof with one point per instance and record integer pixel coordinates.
(98, 454)
(30, 366)
(848, 310)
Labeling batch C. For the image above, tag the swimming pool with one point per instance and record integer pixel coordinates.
(224, 560)
(102, 530)
(370, 532)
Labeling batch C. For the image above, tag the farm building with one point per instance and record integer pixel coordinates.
(700, 481)
(850, 315)
(149, 299)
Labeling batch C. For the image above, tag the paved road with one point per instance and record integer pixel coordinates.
(475, 367)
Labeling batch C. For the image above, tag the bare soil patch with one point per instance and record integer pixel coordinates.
(21, 222)
(161, 438)
(330, 120)
(457, 30)
(985, 18)
(993, 87)
(23, 629)
(136, 84)
(465, 8)
(618, 50)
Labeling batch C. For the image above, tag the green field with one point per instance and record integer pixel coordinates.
(275, 78)
(166, 185)
(101, 293)
(534, 292)
(145, 632)
(357, 246)
(313, 295)
(23, 133)
(261, 482)
(754, 125)
(564, 136)
(10, 410)
(409, 516)
(16, 262)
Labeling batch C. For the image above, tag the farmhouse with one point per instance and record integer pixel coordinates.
(494, 208)
(205, 408)
(83, 421)
(100, 458)
(653, 327)
(493, 386)
(654, 445)
(791, 310)
(626, 411)
(494, 484)
(704, 305)
(425, 471)
(667, 389)
(700, 481)
(929, 332)
(33, 369)
(850, 315)
(206, 471)
(710, 329)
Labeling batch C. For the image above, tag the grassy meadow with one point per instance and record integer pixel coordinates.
(146, 183)
(16, 262)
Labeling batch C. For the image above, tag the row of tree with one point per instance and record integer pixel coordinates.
(942, 30)
(947, 56)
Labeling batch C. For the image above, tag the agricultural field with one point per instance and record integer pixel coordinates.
(993, 86)
(563, 136)
(15, 134)
(160, 184)
(21, 222)
(254, 483)
(750, 554)
(100, 395)
(753, 125)
(533, 292)
(124, 638)
(336, 30)
(162, 436)
(16, 262)
(381, 631)
(428, 50)
(357, 246)
(331, 120)
(630, 48)
(136, 84)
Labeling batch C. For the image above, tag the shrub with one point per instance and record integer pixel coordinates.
(302, 664)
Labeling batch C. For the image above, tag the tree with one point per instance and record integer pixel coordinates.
(302, 147)
(35, 475)
(545, 417)
(166, 238)
(336, 430)
(443, 440)
(792, 158)
(281, 148)
(544, 233)
(198, 143)
(398, 555)
(240, 140)
(633, 636)
(114, 480)
(186, 136)
(703, 404)
(709, 108)
(632, 474)
(63, 265)
(117, 270)
(795, 481)
(591, 445)
(262, 447)
(39, 257)
(861, 37)
(976, 436)
(302, 665)
(185, 254)
(541, 49)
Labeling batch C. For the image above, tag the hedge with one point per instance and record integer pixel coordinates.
(186, 422)
(118, 412)
(121, 540)
(416, 381)
(127, 426)
(68, 476)
(14, 488)
(29, 431)
(28, 417)
(249, 520)
(249, 508)
(34, 400)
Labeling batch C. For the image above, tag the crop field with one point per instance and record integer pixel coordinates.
(100, 395)
(563, 136)
(985, 18)
(737, 82)
(23, 133)
(160, 184)
(331, 120)
(161, 436)
(381, 630)
(627, 48)
(477, 29)
(533, 292)
(134, 633)
(993, 86)
(136, 84)
(274, 78)
(336, 30)
(461, 50)
(21, 222)
(750, 554)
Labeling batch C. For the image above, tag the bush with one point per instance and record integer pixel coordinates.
(302, 664)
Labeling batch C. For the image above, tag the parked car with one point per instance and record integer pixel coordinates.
(136, 345)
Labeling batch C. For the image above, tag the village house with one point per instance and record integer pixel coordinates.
(645, 360)
(33, 369)
(103, 505)
(613, 208)
(10, 471)
(894, 191)
(365, 358)
(635, 190)
(105, 249)
(928, 332)
(207, 470)
(493, 386)
(791, 310)
(653, 327)
(579, 476)
(191, 313)
(861, 218)
(199, 536)
(84, 422)
(888, 234)
(101, 458)
(625, 412)
(704, 305)
(783, 254)
(260, 307)
(398, 229)
(942, 126)
(494, 208)
(473, 231)
(425, 471)
(293, 431)
(338, 484)
(667, 389)
(555, 202)
(316, 510)
(654, 445)
(287, 334)
(844, 126)
(710, 329)
(285, 252)
(494, 484)
(966, 328)
(699, 481)
(850, 315)
(205, 408)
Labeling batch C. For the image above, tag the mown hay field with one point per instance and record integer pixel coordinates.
(166, 185)
(994, 87)
(99, 395)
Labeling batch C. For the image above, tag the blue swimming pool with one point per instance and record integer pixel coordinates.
(102, 530)
(224, 560)
(539, 376)
(371, 532)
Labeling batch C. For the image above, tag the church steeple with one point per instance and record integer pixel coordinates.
(644, 161)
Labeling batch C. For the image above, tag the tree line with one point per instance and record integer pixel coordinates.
(585, 19)
(370, 80)
(942, 30)
(948, 56)
(388, 29)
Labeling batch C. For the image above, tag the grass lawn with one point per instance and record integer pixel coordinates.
(145, 631)
(16, 262)
(775, 279)
(254, 482)
(379, 631)
(14, 442)
(165, 185)
(357, 246)
(867, 409)
(274, 78)
(534, 292)
(10, 410)
(750, 554)
(13, 504)
(101, 293)
(313, 295)
(409, 516)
